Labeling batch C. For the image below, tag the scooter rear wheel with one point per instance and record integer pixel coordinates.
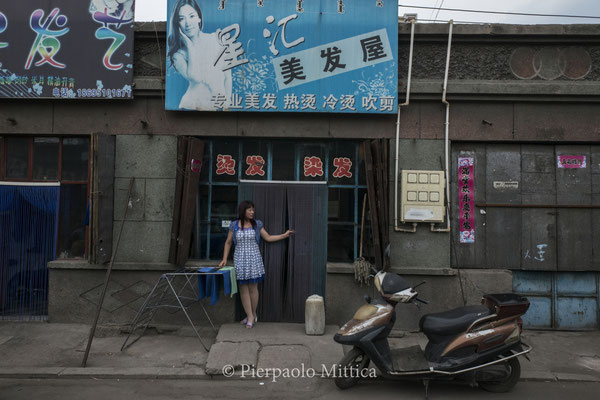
(350, 366)
(505, 382)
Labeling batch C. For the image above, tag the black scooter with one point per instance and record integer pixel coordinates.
(478, 343)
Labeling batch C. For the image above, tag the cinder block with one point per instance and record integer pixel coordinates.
(135, 207)
(142, 241)
(144, 156)
(160, 198)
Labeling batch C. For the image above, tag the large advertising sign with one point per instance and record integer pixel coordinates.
(66, 48)
(282, 55)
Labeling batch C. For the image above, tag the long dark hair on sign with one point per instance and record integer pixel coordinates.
(244, 205)
(174, 40)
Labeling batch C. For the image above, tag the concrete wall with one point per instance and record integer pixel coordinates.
(422, 249)
(143, 250)
(345, 295)
(147, 116)
(75, 293)
(151, 160)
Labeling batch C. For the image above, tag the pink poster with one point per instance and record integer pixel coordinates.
(466, 200)
(571, 161)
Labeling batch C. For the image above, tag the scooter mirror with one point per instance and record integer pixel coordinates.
(387, 251)
(414, 287)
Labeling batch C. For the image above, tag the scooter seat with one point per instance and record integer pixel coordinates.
(451, 322)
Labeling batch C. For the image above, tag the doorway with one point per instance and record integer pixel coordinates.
(29, 221)
(294, 268)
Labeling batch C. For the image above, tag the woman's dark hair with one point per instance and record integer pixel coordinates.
(175, 41)
(244, 205)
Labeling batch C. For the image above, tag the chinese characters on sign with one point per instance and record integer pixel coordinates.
(285, 55)
(571, 161)
(111, 21)
(343, 167)
(255, 165)
(59, 51)
(225, 164)
(466, 200)
(3, 23)
(46, 42)
(313, 166)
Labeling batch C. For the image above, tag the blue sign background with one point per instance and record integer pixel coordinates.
(368, 86)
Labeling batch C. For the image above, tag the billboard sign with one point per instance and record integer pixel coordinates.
(66, 49)
(282, 55)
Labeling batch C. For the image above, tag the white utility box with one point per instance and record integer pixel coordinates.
(423, 196)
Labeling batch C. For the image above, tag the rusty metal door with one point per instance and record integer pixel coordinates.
(537, 211)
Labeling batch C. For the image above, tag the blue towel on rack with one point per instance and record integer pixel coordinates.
(209, 285)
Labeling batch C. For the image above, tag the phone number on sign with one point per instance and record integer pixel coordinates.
(103, 93)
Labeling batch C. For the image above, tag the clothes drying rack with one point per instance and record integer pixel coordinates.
(174, 292)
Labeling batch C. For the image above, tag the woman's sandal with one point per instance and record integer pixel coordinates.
(245, 320)
(249, 325)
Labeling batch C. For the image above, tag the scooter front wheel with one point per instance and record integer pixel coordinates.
(350, 367)
(500, 378)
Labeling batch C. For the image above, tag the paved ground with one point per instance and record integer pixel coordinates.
(314, 389)
(48, 350)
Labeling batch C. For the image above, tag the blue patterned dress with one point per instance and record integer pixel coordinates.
(247, 260)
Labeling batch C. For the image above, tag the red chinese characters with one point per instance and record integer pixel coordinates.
(225, 164)
(466, 198)
(313, 166)
(255, 165)
(343, 167)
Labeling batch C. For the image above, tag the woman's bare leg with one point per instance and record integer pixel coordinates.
(246, 302)
(253, 288)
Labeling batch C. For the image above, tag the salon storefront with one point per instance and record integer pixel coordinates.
(513, 128)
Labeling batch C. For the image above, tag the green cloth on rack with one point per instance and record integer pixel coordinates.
(234, 288)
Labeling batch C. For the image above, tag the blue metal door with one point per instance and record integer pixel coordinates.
(560, 300)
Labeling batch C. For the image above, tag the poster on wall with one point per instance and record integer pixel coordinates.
(571, 161)
(66, 49)
(334, 56)
(466, 200)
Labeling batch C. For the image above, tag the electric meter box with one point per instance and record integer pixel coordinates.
(423, 195)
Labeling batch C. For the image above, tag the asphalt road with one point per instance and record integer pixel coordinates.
(133, 389)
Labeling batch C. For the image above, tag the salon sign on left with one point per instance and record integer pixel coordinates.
(337, 56)
(68, 49)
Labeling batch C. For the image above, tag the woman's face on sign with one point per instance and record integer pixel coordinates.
(249, 213)
(189, 20)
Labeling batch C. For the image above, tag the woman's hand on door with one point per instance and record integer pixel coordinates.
(275, 238)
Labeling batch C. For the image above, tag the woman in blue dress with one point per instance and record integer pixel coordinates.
(246, 232)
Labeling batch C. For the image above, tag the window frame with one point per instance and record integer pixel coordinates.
(327, 146)
(30, 163)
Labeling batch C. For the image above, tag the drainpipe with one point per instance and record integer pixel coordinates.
(446, 136)
(410, 59)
